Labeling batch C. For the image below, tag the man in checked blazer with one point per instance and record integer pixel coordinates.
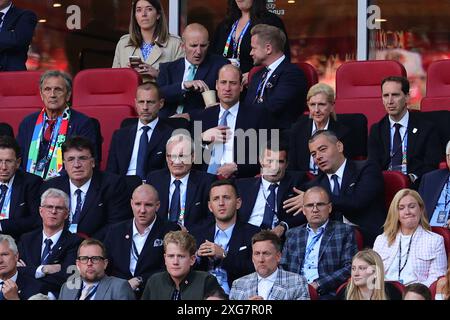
(321, 250)
(269, 282)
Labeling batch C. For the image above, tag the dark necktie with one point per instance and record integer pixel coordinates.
(397, 146)
(46, 252)
(260, 91)
(1, 292)
(3, 191)
(49, 130)
(76, 214)
(336, 189)
(175, 202)
(1, 20)
(142, 152)
(269, 210)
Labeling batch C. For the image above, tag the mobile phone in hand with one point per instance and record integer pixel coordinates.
(135, 61)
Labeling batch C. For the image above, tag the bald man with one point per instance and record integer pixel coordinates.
(182, 81)
(135, 247)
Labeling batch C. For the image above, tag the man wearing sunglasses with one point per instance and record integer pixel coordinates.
(92, 283)
(322, 249)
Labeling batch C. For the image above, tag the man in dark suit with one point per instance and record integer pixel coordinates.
(42, 133)
(135, 247)
(262, 197)
(47, 253)
(16, 31)
(224, 245)
(226, 127)
(14, 285)
(280, 87)
(183, 81)
(356, 187)
(402, 141)
(183, 192)
(97, 199)
(322, 250)
(140, 148)
(18, 190)
(435, 189)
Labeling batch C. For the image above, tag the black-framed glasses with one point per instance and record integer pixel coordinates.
(94, 259)
(318, 205)
(58, 209)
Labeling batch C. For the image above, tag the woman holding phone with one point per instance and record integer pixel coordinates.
(148, 43)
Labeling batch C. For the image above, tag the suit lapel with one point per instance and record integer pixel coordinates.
(164, 195)
(91, 195)
(412, 137)
(191, 191)
(16, 192)
(9, 18)
(36, 248)
(302, 241)
(283, 189)
(253, 191)
(54, 253)
(328, 233)
(102, 288)
(125, 245)
(235, 240)
(129, 146)
(154, 55)
(156, 137)
(348, 177)
(386, 139)
(203, 69)
(278, 291)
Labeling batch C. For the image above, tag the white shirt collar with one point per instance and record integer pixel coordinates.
(183, 180)
(403, 121)
(146, 230)
(314, 127)
(10, 183)
(339, 172)
(324, 226)
(266, 184)
(152, 124)
(5, 11)
(233, 110)
(270, 278)
(54, 238)
(84, 188)
(276, 63)
(228, 231)
(187, 64)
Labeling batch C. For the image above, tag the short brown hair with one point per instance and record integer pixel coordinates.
(267, 235)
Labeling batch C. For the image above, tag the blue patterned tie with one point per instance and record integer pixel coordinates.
(260, 91)
(1, 20)
(218, 148)
(3, 191)
(76, 214)
(142, 152)
(174, 210)
(269, 209)
(1, 292)
(46, 252)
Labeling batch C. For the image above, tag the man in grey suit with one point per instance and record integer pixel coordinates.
(92, 283)
(269, 282)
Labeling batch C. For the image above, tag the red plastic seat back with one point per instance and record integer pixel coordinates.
(313, 295)
(358, 87)
(445, 233)
(437, 96)
(394, 181)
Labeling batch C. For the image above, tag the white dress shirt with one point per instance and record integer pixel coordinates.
(257, 215)
(265, 285)
(133, 161)
(228, 155)
(55, 239)
(139, 241)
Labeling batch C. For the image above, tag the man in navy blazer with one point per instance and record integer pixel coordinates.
(18, 201)
(435, 189)
(97, 199)
(420, 138)
(125, 143)
(358, 196)
(194, 185)
(280, 87)
(182, 90)
(49, 263)
(255, 192)
(16, 31)
(55, 89)
(135, 247)
(224, 245)
(225, 126)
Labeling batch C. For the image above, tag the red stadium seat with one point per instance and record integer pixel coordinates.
(433, 287)
(313, 295)
(437, 96)
(19, 96)
(393, 182)
(107, 95)
(443, 165)
(359, 239)
(445, 233)
(358, 87)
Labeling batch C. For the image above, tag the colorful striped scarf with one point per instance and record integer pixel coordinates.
(54, 156)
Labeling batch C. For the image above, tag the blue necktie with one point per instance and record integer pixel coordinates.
(1, 20)
(142, 152)
(336, 189)
(174, 210)
(269, 210)
(192, 69)
(397, 146)
(260, 91)
(1, 292)
(76, 214)
(46, 252)
(3, 191)
(218, 148)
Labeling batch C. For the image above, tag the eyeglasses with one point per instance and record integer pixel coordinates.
(58, 209)
(182, 158)
(72, 160)
(94, 259)
(7, 162)
(318, 205)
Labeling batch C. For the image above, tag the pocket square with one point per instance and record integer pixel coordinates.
(157, 243)
(159, 152)
(352, 184)
(242, 248)
(100, 204)
(22, 204)
(197, 203)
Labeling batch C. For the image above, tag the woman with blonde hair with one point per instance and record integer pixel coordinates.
(148, 40)
(409, 250)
